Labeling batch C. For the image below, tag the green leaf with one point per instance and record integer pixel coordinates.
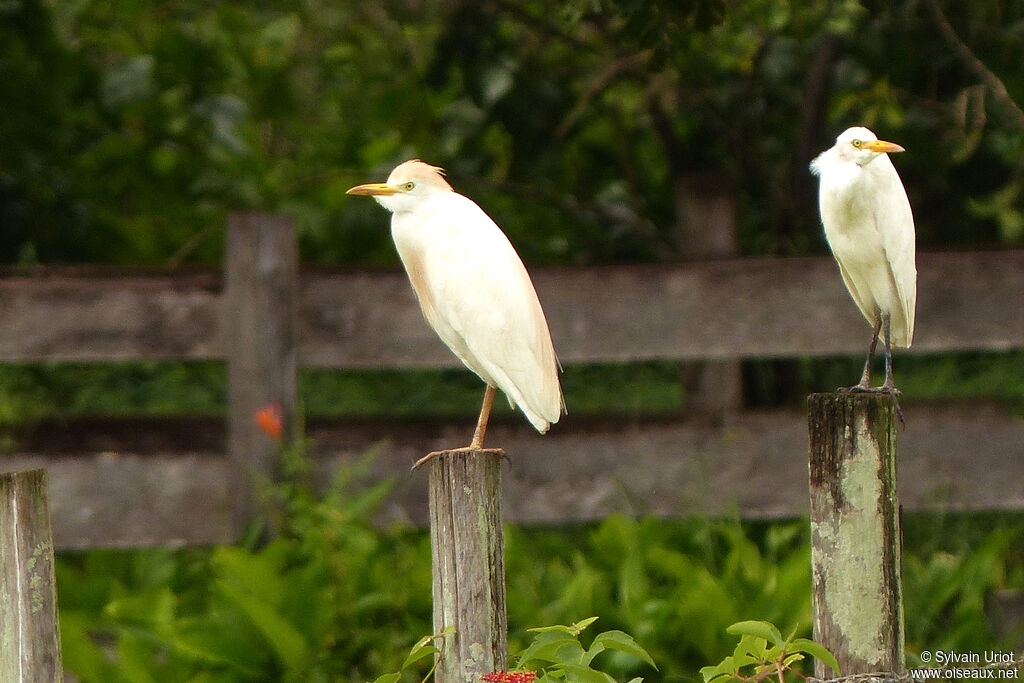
(388, 678)
(750, 649)
(552, 647)
(584, 674)
(758, 629)
(219, 640)
(595, 649)
(136, 658)
(80, 652)
(154, 607)
(289, 645)
(724, 669)
(424, 647)
(582, 625)
(623, 642)
(816, 650)
(552, 629)
(418, 654)
(792, 659)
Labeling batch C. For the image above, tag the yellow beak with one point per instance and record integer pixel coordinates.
(373, 189)
(878, 146)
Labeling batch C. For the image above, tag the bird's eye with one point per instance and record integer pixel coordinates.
(857, 143)
(408, 186)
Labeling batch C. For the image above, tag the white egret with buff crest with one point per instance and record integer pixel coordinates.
(474, 291)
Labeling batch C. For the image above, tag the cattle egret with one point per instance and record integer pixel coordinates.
(870, 229)
(473, 290)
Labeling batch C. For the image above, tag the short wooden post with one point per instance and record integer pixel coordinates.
(855, 533)
(468, 564)
(260, 294)
(29, 634)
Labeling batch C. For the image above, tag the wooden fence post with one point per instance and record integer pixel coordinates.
(260, 294)
(855, 533)
(29, 634)
(468, 551)
(706, 219)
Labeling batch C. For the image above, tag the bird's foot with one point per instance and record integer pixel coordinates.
(888, 388)
(476, 450)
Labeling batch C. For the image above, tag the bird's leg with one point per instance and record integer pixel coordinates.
(865, 377)
(889, 387)
(478, 434)
(485, 415)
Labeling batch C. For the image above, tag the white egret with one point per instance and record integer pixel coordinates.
(473, 290)
(870, 229)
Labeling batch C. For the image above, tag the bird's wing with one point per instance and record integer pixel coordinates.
(864, 300)
(850, 226)
(896, 223)
(486, 308)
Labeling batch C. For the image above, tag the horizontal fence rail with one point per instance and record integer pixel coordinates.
(771, 307)
(169, 482)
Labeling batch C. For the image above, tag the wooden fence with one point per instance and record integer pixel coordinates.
(141, 482)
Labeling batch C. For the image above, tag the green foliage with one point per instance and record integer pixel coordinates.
(131, 129)
(423, 648)
(675, 587)
(951, 585)
(763, 652)
(335, 598)
(331, 599)
(556, 653)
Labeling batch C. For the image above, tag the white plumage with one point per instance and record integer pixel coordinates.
(473, 289)
(870, 229)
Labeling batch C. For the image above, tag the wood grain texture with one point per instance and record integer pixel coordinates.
(856, 543)
(468, 551)
(259, 312)
(86, 314)
(717, 310)
(29, 634)
(167, 482)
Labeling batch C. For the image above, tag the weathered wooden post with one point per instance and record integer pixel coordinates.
(29, 634)
(260, 294)
(468, 550)
(855, 532)
(706, 227)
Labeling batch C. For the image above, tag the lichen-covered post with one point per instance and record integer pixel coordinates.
(468, 564)
(29, 634)
(855, 532)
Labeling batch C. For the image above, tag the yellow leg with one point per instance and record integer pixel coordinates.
(485, 415)
(477, 443)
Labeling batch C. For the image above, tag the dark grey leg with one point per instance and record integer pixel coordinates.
(889, 387)
(865, 377)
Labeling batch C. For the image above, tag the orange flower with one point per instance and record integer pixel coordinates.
(268, 418)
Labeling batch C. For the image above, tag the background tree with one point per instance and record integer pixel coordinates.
(131, 128)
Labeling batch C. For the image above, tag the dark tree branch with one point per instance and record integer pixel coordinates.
(992, 81)
(603, 80)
